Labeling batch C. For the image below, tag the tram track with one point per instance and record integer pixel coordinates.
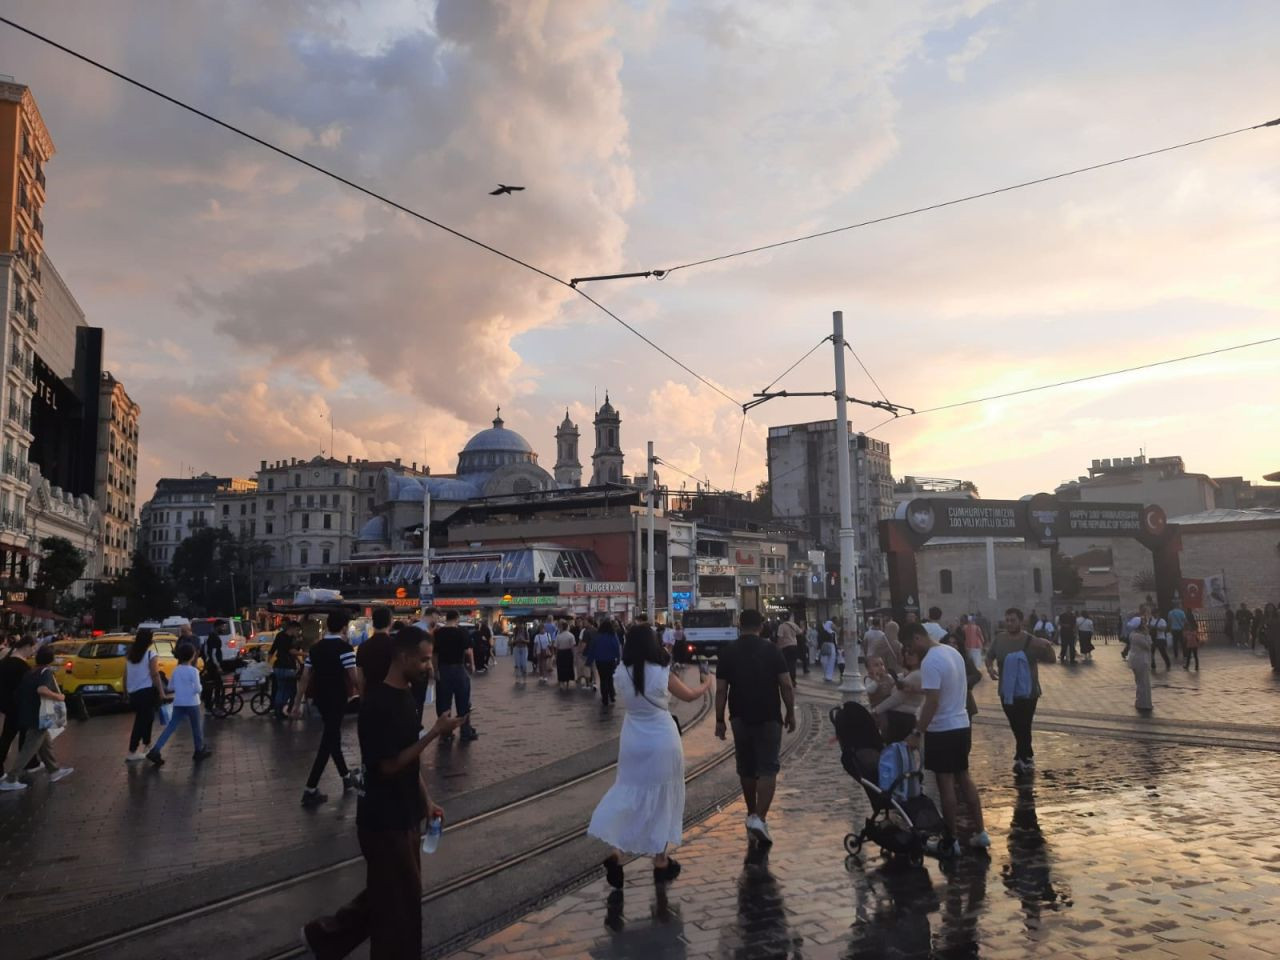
(137, 933)
(1124, 728)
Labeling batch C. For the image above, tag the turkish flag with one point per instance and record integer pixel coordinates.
(1192, 594)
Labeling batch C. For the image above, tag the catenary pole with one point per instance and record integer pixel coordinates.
(851, 688)
(650, 602)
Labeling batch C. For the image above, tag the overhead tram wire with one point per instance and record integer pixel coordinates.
(665, 272)
(737, 456)
(848, 346)
(1086, 379)
(360, 188)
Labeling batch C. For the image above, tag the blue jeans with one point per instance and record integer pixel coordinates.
(453, 684)
(286, 686)
(193, 717)
(521, 654)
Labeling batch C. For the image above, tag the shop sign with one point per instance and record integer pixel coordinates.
(510, 601)
(604, 586)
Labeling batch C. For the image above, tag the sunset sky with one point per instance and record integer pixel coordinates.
(247, 299)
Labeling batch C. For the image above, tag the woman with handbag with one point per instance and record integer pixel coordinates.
(145, 689)
(643, 812)
(41, 718)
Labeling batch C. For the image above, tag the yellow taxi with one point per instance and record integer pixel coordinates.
(258, 647)
(94, 668)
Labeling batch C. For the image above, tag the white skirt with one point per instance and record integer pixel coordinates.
(643, 812)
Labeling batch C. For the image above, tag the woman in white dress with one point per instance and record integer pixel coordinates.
(643, 812)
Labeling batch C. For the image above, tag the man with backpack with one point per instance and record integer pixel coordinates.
(1013, 660)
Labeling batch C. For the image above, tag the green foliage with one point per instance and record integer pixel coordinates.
(61, 565)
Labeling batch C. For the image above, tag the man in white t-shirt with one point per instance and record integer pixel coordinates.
(944, 722)
(934, 625)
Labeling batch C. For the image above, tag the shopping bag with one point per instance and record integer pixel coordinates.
(431, 694)
(166, 713)
(53, 717)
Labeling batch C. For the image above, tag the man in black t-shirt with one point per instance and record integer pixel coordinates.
(12, 669)
(753, 680)
(454, 660)
(329, 679)
(392, 804)
(373, 657)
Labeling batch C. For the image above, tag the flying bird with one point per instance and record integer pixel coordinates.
(503, 188)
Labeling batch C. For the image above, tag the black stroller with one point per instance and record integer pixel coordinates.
(903, 822)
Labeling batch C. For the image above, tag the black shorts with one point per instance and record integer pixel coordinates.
(757, 747)
(947, 751)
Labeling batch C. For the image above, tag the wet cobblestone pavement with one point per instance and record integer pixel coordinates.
(112, 829)
(1109, 850)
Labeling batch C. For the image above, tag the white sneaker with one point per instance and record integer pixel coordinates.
(61, 774)
(759, 830)
(136, 757)
(980, 841)
(12, 785)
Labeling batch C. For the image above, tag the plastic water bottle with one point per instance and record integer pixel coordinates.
(431, 839)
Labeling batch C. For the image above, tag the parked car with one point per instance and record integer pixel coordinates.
(94, 669)
(235, 633)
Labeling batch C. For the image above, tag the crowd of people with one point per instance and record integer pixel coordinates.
(920, 677)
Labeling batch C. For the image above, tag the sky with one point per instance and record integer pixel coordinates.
(254, 308)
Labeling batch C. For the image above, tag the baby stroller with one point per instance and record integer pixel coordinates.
(903, 822)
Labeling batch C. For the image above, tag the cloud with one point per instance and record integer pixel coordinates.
(975, 46)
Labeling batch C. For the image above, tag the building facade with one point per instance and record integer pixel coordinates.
(55, 512)
(117, 474)
(1155, 480)
(179, 507)
(804, 493)
(953, 575)
(25, 149)
(68, 374)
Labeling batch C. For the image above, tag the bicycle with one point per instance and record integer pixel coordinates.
(260, 702)
(226, 700)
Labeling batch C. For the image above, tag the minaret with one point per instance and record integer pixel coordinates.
(606, 462)
(568, 470)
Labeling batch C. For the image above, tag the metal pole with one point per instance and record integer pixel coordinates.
(426, 590)
(851, 688)
(650, 601)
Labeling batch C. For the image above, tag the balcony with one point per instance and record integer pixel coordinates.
(12, 466)
(40, 176)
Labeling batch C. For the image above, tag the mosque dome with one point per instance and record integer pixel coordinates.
(494, 448)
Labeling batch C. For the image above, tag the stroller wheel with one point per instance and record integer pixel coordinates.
(853, 844)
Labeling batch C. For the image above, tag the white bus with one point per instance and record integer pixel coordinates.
(705, 632)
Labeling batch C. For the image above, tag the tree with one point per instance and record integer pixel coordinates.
(762, 501)
(147, 595)
(198, 563)
(61, 565)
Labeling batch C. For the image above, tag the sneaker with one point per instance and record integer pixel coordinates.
(136, 757)
(204, 754)
(312, 798)
(1029, 763)
(469, 734)
(8, 785)
(758, 831)
(351, 781)
(61, 774)
(154, 757)
(980, 841)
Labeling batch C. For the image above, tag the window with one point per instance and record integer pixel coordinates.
(303, 556)
(242, 506)
(1036, 581)
(944, 581)
(270, 527)
(306, 521)
(328, 521)
(271, 483)
(297, 479)
(271, 505)
(324, 556)
(335, 481)
(311, 500)
(297, 500)
(371, 480)
(371, 504)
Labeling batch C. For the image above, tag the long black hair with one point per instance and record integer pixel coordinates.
(141, 641)
(642, 647)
